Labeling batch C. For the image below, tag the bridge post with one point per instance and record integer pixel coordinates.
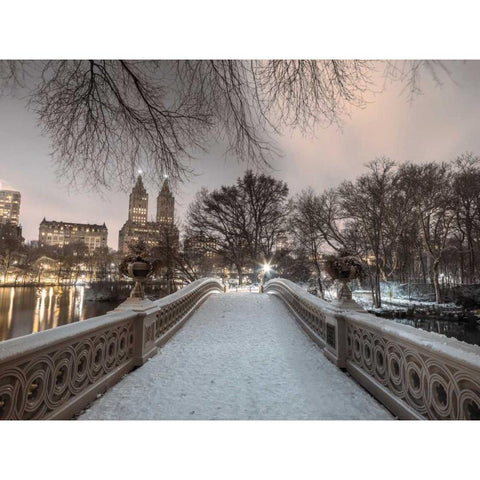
(144, 347)
(336, 340)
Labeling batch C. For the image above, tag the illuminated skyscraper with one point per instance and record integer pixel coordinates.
(138, 204)
(9, 207)
(165, 204)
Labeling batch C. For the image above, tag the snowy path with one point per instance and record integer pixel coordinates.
(240, 357)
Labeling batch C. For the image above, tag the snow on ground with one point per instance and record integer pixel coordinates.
(240, 357)
(395, 303)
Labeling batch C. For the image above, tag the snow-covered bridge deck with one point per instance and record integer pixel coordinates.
(241, 356)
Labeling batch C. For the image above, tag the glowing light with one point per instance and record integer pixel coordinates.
(80, 303)
(10, 309)
(50, 305)
(140, 171)
(39, 311)
(266, 267)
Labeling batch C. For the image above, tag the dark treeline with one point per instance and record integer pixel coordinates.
(409, 223)
(26, 264)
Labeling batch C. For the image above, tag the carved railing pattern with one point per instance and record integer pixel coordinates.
(56, 373)
(168, 316)
(310, 313)
(35, 388)
(416, 374)
(433, 385)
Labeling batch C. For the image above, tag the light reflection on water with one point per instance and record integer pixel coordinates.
(10, 308)
(24, 310)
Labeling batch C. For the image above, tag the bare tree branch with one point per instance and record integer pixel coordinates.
(107, 118)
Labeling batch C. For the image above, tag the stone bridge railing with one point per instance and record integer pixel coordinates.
(414, 373)
(56, 373)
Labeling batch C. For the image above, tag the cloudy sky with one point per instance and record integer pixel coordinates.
(437, 126)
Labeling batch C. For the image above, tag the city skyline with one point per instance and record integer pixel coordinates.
(436, 126)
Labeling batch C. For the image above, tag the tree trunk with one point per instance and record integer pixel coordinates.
(239, 271)
(378, 295)
(377, 298)
(436, 283)
(319, 281)
(422, 263)
(462, 267)
(375, 287)
(320, 288)
(471, 253)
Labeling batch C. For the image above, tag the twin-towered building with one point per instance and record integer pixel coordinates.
(137, 227)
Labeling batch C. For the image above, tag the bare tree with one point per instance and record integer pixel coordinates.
(241, 222)
(366, 202)
(466, 188)
(105, 118)
(198, 258)
(219, 218)
(10, 247)
(166, 255)
(434, 205)
(304, 228)
(266, 212)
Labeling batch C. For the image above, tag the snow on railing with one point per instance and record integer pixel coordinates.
(414, 373)
(56, 373)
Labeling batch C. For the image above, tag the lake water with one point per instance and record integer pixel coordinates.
(469, 333)
(24, 310)
(462, 331)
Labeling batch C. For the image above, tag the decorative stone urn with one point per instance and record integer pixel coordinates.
(139, 270)
(344, 268)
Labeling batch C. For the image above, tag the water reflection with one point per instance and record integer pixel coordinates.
(469, 333)
(25, 310)
(10, 308)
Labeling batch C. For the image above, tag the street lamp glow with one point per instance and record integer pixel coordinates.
(266, 268)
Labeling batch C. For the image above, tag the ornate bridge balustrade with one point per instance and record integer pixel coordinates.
(414, 373)
(56, 373)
